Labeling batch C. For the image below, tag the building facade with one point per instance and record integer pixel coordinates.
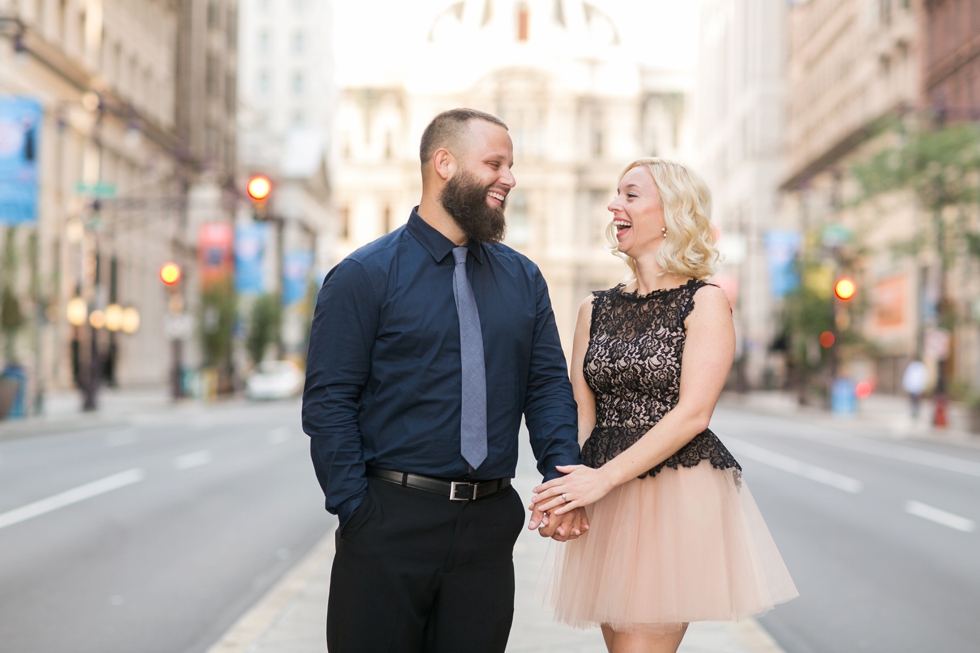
(120, 147)
(578, 108)
(951, 58)
(852, 65)
(740, 126)
(287, 97)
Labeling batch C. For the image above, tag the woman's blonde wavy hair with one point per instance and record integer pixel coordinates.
(689, 248)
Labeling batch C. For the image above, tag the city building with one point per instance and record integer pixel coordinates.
(740, 126)
(287, 95)
(137, 102)
(578, 105)
(851, 65)
(951, 58)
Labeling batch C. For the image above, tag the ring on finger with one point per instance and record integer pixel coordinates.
(564, 497)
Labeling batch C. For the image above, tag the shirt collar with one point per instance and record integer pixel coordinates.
(438, 246)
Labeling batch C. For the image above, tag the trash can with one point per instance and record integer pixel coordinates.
(843, 398)
(13, 392)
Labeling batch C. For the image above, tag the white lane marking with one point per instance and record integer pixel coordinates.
(121, 438)
(278, 435)
(910, 455)
(940, 516)
(794, 466)
(67, 498)
(195, 459)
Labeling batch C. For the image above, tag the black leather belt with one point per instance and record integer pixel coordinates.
(455, 490)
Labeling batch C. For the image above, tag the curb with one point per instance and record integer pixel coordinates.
(246, 633)
(755, 638)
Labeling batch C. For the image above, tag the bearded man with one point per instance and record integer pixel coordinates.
(428, 345)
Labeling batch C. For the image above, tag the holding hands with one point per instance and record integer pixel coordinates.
(558, 506)
(580, 487)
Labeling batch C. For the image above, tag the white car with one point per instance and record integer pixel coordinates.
(275, 380)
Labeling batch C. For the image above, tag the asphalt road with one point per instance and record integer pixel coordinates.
(151, 538)
(881, 536)
(157, 537)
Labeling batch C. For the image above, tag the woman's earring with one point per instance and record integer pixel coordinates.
(664, 230)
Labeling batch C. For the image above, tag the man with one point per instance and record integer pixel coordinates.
(427, 347)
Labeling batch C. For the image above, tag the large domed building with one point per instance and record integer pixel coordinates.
(579, 106)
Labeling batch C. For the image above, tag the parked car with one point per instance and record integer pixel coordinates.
(274, 380)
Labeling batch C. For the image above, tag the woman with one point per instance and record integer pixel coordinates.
(674, 535)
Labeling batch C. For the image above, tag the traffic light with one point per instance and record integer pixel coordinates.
(845, 288)
(259, 188)
(170, 274)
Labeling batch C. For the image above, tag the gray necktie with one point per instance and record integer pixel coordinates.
(473, 425)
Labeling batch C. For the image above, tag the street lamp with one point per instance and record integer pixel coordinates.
(130, 320)
(77, 311)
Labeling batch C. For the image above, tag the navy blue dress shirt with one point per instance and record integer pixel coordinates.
(383, 380)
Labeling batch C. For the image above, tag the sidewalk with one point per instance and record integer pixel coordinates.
(881, 415)
(117, 407)
(291, 617)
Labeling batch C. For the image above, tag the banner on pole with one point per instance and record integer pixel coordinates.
(20, 130)
(250, 246)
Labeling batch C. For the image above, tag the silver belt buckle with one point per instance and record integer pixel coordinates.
(455, 484)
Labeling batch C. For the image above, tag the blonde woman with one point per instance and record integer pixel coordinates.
(674, 535)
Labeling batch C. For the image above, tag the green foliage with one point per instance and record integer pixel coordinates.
(12, 318)
(940, 167)
(264, 325)
(217, 323)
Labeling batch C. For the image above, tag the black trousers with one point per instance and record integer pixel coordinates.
(415, 572)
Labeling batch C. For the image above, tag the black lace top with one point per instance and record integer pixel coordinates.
(633, 365)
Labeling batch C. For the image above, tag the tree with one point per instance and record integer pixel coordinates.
(12, 317)
(263, 326)
(939, 165)
(217, 329)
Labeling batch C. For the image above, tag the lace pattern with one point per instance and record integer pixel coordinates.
(633, 365)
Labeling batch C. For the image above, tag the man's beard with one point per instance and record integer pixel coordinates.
(465, 199)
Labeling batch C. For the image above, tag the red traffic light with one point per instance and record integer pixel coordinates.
(259, 187)
(170, 273)
(845, 288)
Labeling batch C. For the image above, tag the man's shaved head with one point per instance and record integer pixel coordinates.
(449, 129)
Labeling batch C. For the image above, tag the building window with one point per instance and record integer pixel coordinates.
(343, 222)
(298, 83)
(518, 220)
(523, 17)
(299, 120)
(389, 147)
(387, 218)
(299, 42)
(212, 14)
(264, 81)
(560, 13)
(263, 41)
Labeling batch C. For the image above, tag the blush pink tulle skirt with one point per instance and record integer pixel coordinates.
(687, 545)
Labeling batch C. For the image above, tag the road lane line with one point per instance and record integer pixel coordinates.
(794, 466)
(279, 435)
(909, 455)
(67, 498)
(189, 460)
(940, 516)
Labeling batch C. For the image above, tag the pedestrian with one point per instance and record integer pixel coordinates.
(914, 383)
(676, 536)
(427, 348)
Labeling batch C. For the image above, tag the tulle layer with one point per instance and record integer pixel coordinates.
(686, 545)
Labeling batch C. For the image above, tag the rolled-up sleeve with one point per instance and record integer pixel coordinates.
(549, 406)
(345, 323)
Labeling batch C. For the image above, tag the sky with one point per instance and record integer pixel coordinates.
(662, 33)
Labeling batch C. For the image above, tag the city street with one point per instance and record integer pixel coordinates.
(159, 535)
(195, 518)
(881, 537)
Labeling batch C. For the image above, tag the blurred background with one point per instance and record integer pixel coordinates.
(177, 177)
(839, 139)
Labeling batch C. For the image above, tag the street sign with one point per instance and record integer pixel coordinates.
(835, 235)
(937, 343)
(178, 326)
(103, 190)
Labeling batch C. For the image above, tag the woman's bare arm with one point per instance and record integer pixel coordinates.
(708, 354)
(584, 396)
